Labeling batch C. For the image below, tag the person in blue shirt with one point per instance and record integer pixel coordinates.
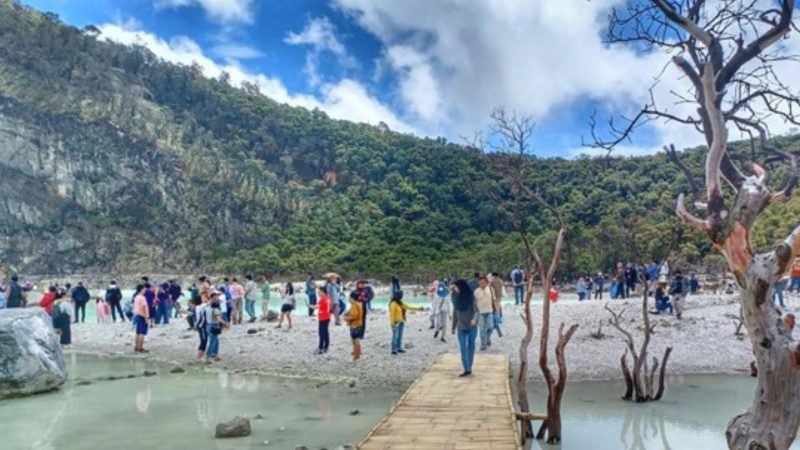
(598, 286)
(311, 292)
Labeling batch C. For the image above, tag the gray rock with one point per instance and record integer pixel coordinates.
(409, 346)
(258, 417)
(354, 412)
(238, 427)
(177, 370)
(252, 331)
(352, 384)
(272, 315)
(301, 447)
(83, 383)
(31, 360)
(148, 373)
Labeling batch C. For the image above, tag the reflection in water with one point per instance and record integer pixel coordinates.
(204, 412)
(238, 381)
(143, 397)
(635, 430)
(325, 407)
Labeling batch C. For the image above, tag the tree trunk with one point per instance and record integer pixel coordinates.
(661, 374)
(626, 374)
(773, 419)
(522, 376)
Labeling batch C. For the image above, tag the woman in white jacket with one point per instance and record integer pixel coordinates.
(441, 310)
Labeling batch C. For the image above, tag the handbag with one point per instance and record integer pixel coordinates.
(216, 328)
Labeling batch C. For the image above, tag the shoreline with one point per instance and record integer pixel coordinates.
(703, 343)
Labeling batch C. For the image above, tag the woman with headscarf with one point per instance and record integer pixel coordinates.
(465, 320)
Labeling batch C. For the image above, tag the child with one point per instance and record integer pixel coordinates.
(324, 318)
(102, 309)
(355, 319)
(397, 319)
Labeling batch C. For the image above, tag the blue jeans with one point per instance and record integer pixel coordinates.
(486, 323)
(397, 336)
(312, 300)
(250, 307)
(519, 294)
(466, 344)
(497, 320)
(779, 286)
(162, 313)
(213, 342)
(795, 285)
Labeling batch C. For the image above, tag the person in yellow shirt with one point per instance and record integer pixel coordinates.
(356, 319)
(397, 318)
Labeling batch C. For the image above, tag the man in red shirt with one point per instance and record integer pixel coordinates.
(324, 318)
(48, 299)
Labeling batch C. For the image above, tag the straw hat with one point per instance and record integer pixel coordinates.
(330, 275)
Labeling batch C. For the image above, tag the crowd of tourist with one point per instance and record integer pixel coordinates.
(472, 307)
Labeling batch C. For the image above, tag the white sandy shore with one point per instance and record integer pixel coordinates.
(703, 342)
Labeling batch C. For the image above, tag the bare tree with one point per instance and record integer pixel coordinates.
(514, 133)
(727, 51)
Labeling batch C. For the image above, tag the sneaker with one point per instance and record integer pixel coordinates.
(394, 353)
(464, 374)
(400, 350)
(436, 334)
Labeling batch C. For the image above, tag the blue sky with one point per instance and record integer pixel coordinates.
(430, 67)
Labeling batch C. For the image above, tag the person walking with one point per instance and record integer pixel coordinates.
(780, 285)
(397, 320)
(395, 285)
(288, 306)
(518, 279)
(114, 300)
(483, 299)
(162, 304)
(62, 320)
(678, 290)
(795, 277)
(311, 292)
(465, 321)
(323, 319)
(441, 311)
(630, 280)
(250, 297)
(80, 295)
(237, 301)
(498, 292)
(175, 294)
(433, 294)
(198, 313)
(141, 319)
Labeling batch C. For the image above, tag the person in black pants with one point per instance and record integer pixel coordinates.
(81, 297)
(114, 298)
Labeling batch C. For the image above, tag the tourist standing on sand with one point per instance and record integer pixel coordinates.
(114, 300)
(498, 292)
(14, 294)
(62, 320)
(483, 299)
(80, 295)
(599, 280)
(441, 310)
(150, 298)
(397, 320)
(198, 308)
(630, 280)
(250, 297)
(356, 319)
(141, 318)
(215, 322)
(795, 280)
(266, 293)
(162, 305)
(465, 321)
(175, 294)
(311, 292)
(323, 319)
(678, 290)
(288, 305)
(780, 285)
(518, 278)
(433, 294)
(237, 296)
(333, 290)
(48, 299)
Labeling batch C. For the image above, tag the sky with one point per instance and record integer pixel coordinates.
(427, 67)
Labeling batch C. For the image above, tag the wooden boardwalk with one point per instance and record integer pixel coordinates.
(442, 411)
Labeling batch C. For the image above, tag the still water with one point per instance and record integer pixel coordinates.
(180, 411)
(693, 414)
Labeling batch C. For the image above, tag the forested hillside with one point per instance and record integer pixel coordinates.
(113, 160)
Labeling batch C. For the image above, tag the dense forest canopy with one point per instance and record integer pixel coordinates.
(129, 163)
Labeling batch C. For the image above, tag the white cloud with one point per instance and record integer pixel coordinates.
(346, 99)
(230, 51)
(223, 11)
(457, 59)
(320, 35)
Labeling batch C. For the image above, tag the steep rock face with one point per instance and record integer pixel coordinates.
(30, 356)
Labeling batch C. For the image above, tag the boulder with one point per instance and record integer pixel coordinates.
(238, 427)
(272, 315)
(31, 360)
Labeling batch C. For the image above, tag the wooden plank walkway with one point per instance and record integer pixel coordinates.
(443, 411)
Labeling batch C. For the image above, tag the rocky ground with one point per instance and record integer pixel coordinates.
(703, 342)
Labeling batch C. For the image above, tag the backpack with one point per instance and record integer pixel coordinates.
(676, 287)
(517, 276)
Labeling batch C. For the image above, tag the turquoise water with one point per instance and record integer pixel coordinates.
(180, 411)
